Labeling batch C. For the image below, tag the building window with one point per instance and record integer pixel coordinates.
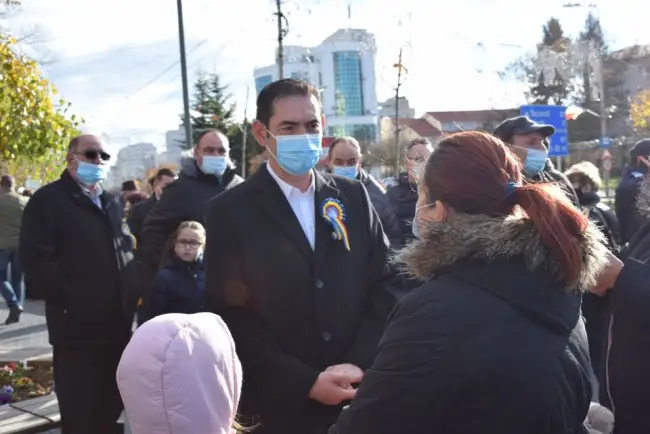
(362, 132)
(262, 82)
(348, 82)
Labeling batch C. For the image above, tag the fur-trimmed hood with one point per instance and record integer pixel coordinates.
(485, 239)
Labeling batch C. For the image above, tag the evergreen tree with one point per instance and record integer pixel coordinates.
(558, 90)
(210, 107)
(236, 146)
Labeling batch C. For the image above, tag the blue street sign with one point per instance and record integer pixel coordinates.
(554, 115)
(605, 142)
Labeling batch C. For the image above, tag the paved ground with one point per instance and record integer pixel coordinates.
(26, 339)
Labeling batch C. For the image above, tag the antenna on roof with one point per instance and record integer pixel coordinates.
(349, 15)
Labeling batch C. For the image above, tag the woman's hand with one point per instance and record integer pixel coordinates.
(608, 276)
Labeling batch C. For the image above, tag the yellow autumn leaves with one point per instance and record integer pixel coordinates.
(34, 130)
(640, 111)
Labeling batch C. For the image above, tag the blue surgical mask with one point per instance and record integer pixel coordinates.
(91, 174)
(298, 154)
(346, 171)
(214, 165)
(535, 162)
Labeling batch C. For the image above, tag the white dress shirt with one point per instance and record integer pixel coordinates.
(302, 205)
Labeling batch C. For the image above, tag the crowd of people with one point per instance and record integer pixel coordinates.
(484, 292)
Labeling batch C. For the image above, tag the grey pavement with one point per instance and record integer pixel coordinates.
(26, 339)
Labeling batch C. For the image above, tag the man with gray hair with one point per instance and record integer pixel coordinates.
(203, 176)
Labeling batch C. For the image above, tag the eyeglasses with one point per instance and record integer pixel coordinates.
(93, 154)
(189, 243)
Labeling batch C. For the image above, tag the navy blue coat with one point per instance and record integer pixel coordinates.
(179, 288)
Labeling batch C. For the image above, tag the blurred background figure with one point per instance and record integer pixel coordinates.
(629, 187)
(345, 160)
(404, 195)
(11, 276)
(585, 179)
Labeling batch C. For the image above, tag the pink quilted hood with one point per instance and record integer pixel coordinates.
(180, 374)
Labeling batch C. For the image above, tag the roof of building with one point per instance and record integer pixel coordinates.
(421, 127)
(475, 115)
(632, 52)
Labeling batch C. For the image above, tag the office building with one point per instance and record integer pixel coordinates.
(343, 68)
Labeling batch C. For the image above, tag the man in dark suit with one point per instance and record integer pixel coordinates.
(296, 266)
(75, 253)
(139, 212)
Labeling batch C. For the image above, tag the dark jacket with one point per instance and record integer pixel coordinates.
(604, 218)
(185, 199)
(179, 288)
(624, 379)
(489, 345)
(294, 311)
(137, 215)
(76, 256)
(384, 208)
(404, 196)
(550, 174)
(625, 202)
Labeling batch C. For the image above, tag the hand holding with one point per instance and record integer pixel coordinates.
(332, 387)
(608, 277)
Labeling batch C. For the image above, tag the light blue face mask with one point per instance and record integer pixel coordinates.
(535, 162)
(214, 165)
(91, 174)
(298, 154)
(346, 171)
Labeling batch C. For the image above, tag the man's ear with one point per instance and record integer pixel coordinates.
(260, 133)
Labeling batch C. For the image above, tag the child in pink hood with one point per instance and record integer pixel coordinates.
(180, 374)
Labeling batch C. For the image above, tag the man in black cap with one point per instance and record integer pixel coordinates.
(128, 187)
(529, 141)
(629, 187)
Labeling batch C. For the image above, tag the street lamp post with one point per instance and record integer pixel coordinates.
(186, 93)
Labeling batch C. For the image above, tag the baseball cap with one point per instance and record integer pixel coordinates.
(640, 148)
(521, 125)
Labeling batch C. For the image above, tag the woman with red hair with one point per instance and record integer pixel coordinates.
(493, 340)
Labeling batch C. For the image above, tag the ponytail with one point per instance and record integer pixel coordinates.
(559, 224)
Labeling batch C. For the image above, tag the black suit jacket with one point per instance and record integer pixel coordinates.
(294, 311)
(137, 214)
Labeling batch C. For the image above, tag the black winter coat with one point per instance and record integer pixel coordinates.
(625, 202)
(487, 346)
(404, 196)
(76, 256)
(382, 204)
(184, 199)
(137, 215)
(179, 288)
(624, 377)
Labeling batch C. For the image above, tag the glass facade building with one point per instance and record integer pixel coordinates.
(348, 82)
(261, 82)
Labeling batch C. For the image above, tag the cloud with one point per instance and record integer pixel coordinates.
(117, 61)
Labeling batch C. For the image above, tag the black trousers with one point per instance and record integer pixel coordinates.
(85, 385)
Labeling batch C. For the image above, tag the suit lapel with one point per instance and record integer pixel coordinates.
(279, 213)
(325, 189)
